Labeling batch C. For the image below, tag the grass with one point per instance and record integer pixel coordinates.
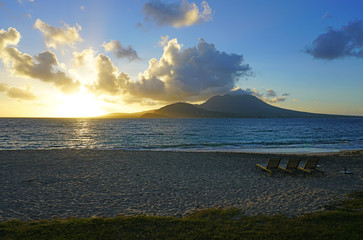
(343, 220)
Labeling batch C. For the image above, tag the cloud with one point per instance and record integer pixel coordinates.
(139, 25)
(57, 37)
(337, 43)
(178, 14)
(163, 41)
(271, 96)
(275, 99)
(18, 93)
(326, 16)
(119, 51)
(10, 37)
(21, 1)
(107, 81)
(3, 87)
(80, 58)
(240, 91)
(270, 93)
(268, 96)
(40, 67)
(191, 74)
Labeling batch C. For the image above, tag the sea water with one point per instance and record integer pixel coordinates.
(231, 135)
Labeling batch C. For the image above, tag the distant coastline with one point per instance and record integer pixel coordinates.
(226, 106)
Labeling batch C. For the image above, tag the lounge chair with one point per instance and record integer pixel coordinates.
(311, 166)
(291, 165)
(273, 163)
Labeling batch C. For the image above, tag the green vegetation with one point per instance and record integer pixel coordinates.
(342, 221)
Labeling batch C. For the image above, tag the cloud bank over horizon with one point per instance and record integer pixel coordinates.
(338, 43)
(179, 14)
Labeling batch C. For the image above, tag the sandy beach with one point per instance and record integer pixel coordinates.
(47, 184)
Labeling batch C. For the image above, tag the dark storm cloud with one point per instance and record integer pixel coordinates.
(337, 43)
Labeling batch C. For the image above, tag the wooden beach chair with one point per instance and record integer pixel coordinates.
(273, 163)
(291, 165)
(311, 166)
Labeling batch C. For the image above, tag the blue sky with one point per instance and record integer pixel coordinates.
(255, 47)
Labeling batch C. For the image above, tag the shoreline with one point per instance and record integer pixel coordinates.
(62, 183)
(350, 152)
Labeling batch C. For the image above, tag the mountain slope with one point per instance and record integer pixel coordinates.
(248, 106)
(183, 110)
(226, 106)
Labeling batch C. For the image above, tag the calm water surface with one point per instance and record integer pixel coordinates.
(241, 135)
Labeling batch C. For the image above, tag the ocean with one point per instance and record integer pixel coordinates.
(227, 135)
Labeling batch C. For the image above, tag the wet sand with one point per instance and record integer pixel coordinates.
(47, 184)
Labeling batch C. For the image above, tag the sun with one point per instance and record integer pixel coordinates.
(82, 104)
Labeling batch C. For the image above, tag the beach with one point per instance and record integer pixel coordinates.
(48, 184)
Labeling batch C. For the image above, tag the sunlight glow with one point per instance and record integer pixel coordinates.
(80, 105)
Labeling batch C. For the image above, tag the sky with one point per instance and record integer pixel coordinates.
(81, 58)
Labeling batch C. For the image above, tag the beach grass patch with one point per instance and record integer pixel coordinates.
(342, 221)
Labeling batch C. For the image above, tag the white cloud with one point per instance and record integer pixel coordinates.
(207, 12)
(40, 67)
(21, 1)
(191, 74)
(4, 87)
(18, 93)
(179, 14)
(10, 37)
(84, 57)
(57, 37)
(107, 81)
(119, 51)
(240, 91)
(163, 41)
